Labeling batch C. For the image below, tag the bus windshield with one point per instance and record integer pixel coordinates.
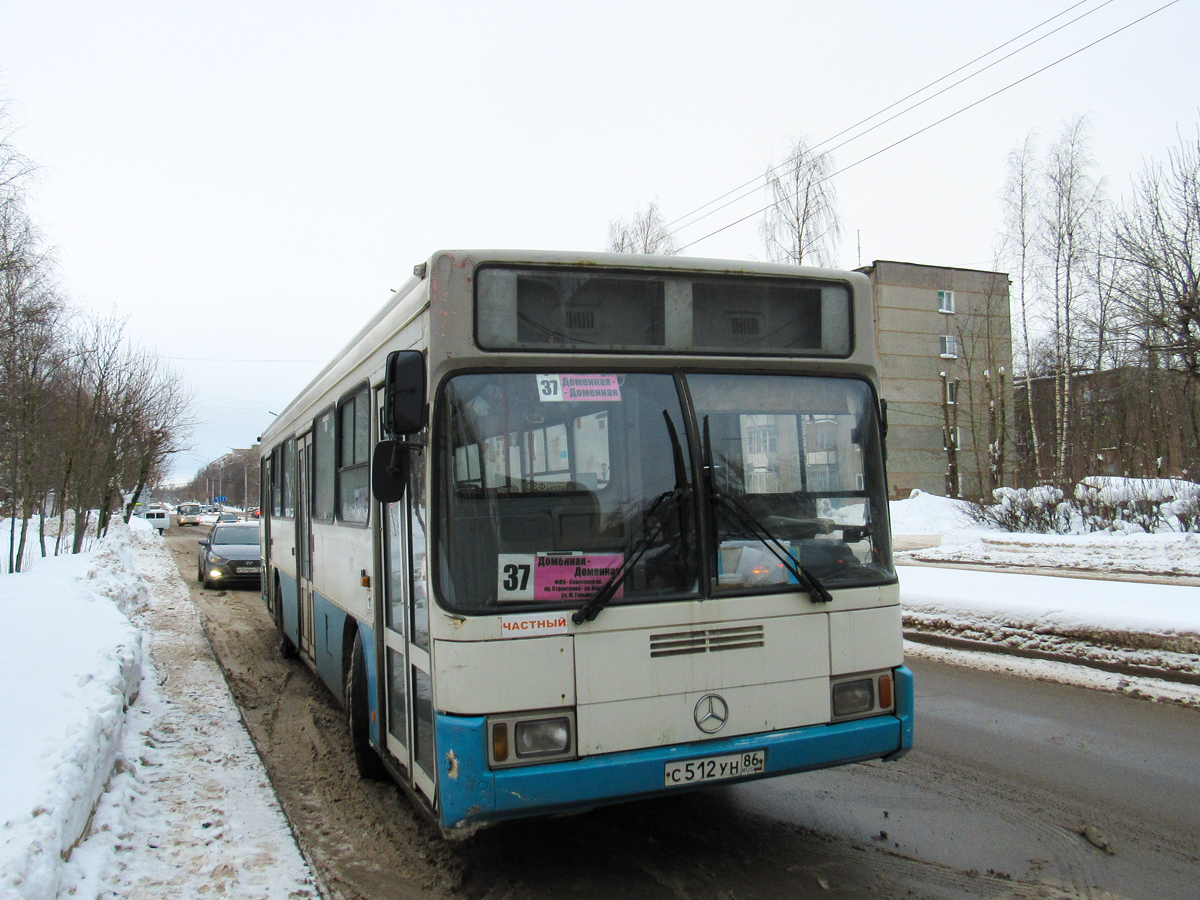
(796, 459)
(550, 479)
(550, 483)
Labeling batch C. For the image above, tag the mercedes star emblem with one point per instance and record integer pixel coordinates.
(711, 713)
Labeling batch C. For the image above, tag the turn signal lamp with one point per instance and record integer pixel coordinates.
(500, 742)
(885, 691)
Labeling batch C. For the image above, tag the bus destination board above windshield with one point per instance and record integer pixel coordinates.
(574, 388)
(618, 311)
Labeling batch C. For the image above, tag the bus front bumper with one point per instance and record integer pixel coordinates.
(470, 794)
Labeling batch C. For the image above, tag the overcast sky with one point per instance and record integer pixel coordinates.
(247, 181)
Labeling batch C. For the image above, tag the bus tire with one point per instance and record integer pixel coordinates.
(366, 760)
(287, 649)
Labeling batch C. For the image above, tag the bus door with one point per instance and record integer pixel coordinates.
(304, 539)
(405, 668)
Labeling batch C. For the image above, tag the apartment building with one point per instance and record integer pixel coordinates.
(945, 352)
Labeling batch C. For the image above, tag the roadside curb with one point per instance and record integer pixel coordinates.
(1131, 576)
(957, 643)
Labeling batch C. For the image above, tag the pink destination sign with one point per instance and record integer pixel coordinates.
(573, 576)
(567, 575)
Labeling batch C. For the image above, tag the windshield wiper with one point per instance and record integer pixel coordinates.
(741, 515)
(657, 512)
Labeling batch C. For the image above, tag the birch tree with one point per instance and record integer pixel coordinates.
(1020, 200)
(645, 233)
(802, 225)
(1072, 200)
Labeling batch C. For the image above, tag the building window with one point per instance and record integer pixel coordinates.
(945, 301)
(949, 345)
(951, 392)
(952, 438)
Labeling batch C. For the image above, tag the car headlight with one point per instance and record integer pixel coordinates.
(217, 560)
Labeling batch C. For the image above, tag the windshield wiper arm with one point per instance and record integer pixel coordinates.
(592, 608)
(737, 511)
(806, 579)
(674, 498)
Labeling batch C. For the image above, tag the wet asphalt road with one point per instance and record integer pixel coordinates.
(1006, 773)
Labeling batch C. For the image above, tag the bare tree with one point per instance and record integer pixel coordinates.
(30, 317)
(15, 168)
(1020, 209)
(802, 225)
(950, 434)
(645, 233)
(157, 426)
(980, 398)
(1069, 229)
(1158, 236)
(84, 416)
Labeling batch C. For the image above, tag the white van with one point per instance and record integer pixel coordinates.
(188, 513)
(159, 518)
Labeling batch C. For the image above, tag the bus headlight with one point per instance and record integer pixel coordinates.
(853, 697)
(538, 736)
(543, 737)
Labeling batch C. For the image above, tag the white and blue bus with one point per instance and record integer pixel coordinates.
(567, 529)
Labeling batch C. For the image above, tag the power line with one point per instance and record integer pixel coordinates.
(982, 56)
(919, 103)
(946, 118)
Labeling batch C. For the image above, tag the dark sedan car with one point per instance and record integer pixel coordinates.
(230, 554)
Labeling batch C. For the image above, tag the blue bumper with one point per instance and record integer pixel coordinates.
(472, 794)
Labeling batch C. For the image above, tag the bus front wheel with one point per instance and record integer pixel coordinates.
(366, 760)
(287, 649)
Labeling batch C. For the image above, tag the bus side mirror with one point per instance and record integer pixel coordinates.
(389, 471)
(404, 393)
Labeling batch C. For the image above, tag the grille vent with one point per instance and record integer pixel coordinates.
(581, 320)
(711, 640)
(747, 325)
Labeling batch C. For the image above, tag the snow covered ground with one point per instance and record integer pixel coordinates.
(125, 770)
(1132, 628)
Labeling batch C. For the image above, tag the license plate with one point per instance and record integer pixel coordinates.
(715, 768)
(251, 570)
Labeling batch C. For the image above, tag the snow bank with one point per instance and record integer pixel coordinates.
(1169, 554)
(71, 667)
(924, 513)
(189, 811)
(1116, 552)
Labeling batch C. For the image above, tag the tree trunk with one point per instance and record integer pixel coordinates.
(42, 525)
(81, 525)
